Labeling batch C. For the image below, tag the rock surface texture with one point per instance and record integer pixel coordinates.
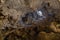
(29, 20)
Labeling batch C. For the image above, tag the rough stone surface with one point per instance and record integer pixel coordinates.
(11, 12)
